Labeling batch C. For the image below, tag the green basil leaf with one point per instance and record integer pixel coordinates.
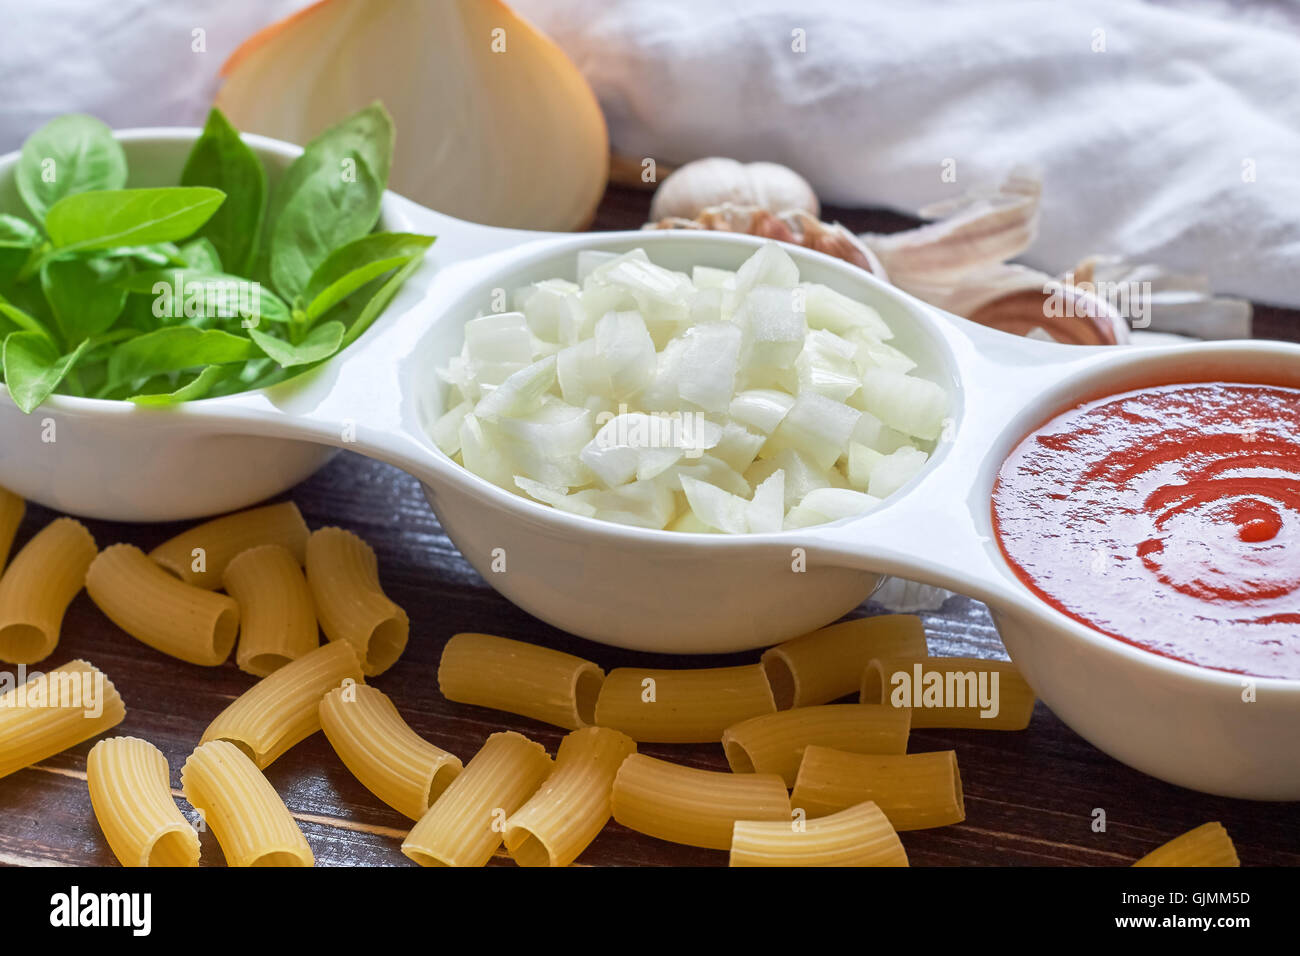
(18, 233)
(129, 217)
(349, 267)
(193, 293)
(34, 368)
(174, 349)
(378, 302)
(158, 255)
(333, 158)
(197, 387)
(337, 204)
(83, 295)
(68, 155)
(322, 342)
(23, 319)
(222, 160)
(202, 255)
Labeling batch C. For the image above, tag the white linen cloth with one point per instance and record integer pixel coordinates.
(1164, 134)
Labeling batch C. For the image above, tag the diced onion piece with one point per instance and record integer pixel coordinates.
(709, 469)
(482, 455)
(715, 507)
(553, 309)
(817, 426)
(521, 393)
(709, 363)
(497, 346)
(912, 405)
(873, 353)
(862, 461)
(446, 430)
(829, 504)
(774, 331)
(761, 408)
(581, 373)
(555, 497)
(627, 353)
(875, 434)
(767, 508)
(709, 305)
(770, 265)
(688, 521)
(801, 474)
(634, 445)
(591, 259)
(895, 470)
(826, 366)
(545, 444)
(646, 504)
(707, 277)
(737, 445)
(828, 309)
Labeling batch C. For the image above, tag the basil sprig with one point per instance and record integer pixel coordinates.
(217, 285)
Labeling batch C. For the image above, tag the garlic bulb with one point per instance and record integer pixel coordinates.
(714, 181)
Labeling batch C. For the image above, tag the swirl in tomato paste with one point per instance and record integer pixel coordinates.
(1169, 518)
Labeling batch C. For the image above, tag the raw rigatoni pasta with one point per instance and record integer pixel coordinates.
(284, 708)
(130, 789)
(859, 836)
(690, 806)
(37, 588)
(246, 815)
(561, 819)
(774, 743)
(519, 678)
(12, 509)
(827, 664)
(54, 711)
(277, 617)
(465, 825)
(160, 610)
(915, 791)
(199, 556)
(1207, 845)
(390, 759)
(343, 574)
(967, 692)
(682, 706)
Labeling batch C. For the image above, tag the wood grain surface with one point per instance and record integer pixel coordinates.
(1030, 796)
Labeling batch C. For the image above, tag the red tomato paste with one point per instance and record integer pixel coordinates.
(1169, 518)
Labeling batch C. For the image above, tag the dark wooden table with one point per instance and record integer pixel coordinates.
(1030, 796)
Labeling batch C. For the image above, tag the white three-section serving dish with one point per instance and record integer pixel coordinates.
(668, 591)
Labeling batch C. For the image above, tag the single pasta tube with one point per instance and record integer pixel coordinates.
(915, 791)
(54, 711)
(1207, 845)
(12, 509)
(277, 617)
(37, 588)
(465, 825)
(561, 819)
(682, 706)
(693, 807)
(774, 743)
(967, 692)
(343, 574)
(390, 759)
(199, 556)
(155, 608)
(247, 816)
(858, 836)
(519, 678)
(827, 664)
(130, 790)
(284, 708)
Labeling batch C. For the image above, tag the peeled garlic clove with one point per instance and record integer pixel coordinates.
(692, 188)
(494, 123)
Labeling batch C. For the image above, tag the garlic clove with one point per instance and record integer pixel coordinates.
(704, 183)
(494, 123)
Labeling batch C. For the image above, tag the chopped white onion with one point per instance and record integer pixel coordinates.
(735, 402)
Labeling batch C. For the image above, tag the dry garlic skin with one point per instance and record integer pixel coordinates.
(719, 401)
